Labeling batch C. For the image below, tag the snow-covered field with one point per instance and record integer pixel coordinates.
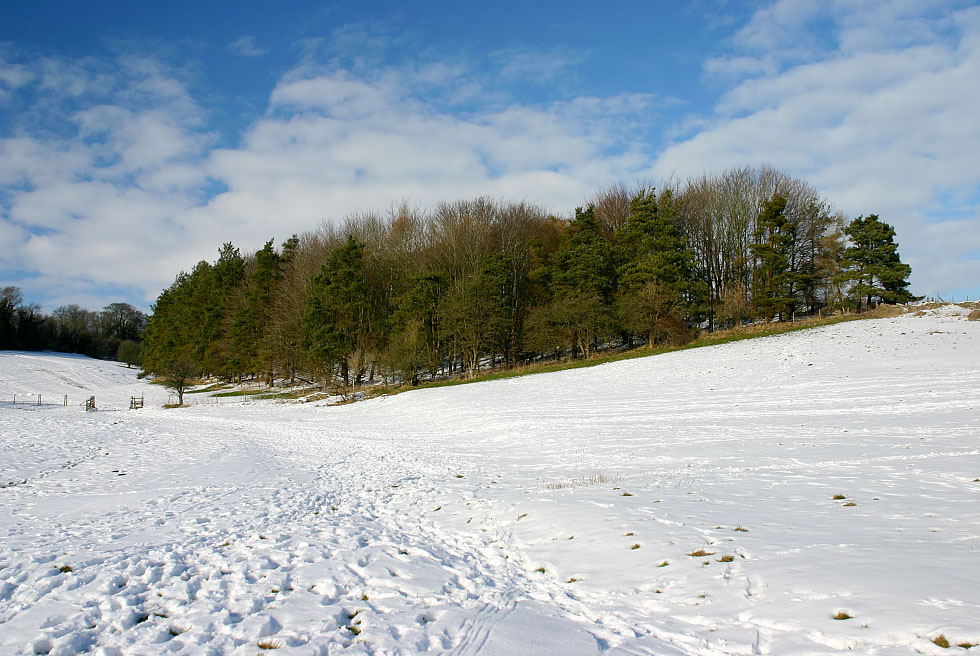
(552, 514)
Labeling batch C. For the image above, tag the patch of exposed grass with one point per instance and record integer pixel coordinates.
(700, 553)
(727, 558)
(850, 503)
(64, 569)
(966, 645)
(595, 478)
(839, 497)
(842, 615)
(571, 580)
(635, 546)
(240, 393)
(627, 494)
(210, 388)
(664, 563)
(269, 644)
(741, 528)
(540, 570)
(941, 641)
(973, 316)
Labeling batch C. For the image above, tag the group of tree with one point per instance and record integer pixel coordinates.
(474, 284)
(114, 332)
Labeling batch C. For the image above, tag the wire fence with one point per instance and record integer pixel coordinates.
(36, 400)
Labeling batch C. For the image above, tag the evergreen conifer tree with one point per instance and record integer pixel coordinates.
(772, 280)
(337, 319)
(873, 265)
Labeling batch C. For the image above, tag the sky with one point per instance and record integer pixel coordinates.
(137, 137)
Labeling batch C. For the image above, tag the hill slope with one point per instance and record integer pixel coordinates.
(530, 515)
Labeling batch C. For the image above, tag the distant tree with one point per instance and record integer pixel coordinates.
(582, 280)
(10, 300)
(128, 352)
(656, 284)
(415, 342)
(249, 321)
(122, 321)
(337, 321)
(179, 375)
(872, 264)
(772, 285)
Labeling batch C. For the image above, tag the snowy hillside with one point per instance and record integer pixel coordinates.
(819, 474)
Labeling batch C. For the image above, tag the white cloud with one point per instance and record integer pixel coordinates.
(333, 145)
(120, 197)
(246, 47)
(887, 130)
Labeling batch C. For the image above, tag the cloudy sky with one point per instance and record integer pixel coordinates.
(136, 138)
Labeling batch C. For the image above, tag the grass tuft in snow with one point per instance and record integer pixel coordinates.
(850, 503)
(741, 529)
(839, 497)
(64, 569)
(842, 615)
(627, 494)
(664, 563)
(635, 546)
(941, 641)
(727, 558)
(700, 553)
(595, 478)
(966, 645)
(540, 570)
(269, 644)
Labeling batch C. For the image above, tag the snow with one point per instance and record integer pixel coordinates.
(501, 517)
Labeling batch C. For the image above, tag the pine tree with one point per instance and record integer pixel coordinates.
(656, 286)
(247, 326)
(337, 319)
(582, 283)
(873, 264)
(772, 288)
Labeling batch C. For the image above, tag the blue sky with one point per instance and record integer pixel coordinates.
(135, 138)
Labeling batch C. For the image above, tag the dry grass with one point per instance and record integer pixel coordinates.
(269, 644)
(973, 316)
(941, 641)
(700, 553)
(842, 615)
(595, 478)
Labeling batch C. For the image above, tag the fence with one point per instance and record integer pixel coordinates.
(34, 399)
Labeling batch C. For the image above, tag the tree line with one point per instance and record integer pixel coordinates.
(114, 332)
(474, 284)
